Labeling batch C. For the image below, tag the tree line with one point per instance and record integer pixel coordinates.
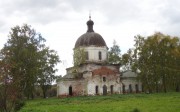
(155, 59)
(26, 62)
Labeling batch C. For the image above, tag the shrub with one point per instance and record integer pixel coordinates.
(135, 110)
(18, 105)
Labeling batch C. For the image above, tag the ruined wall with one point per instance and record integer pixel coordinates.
(77, 87)
(97, 80)
(93, 75)
(111, 75)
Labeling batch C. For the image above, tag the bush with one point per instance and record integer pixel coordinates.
(135, 110)
(52, 92)
(18, 105)
(10, 98)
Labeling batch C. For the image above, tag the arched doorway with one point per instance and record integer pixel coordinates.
(130, 88)
(111, 89)
(104, 90)
(124, 91)
(70, 91)
(96, 90)
(137, 88)
(142, 88)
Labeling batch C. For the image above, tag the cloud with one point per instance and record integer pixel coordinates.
(39, 11)
(171, 13)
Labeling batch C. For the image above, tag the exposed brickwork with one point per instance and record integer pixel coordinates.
(104, 71)
(78, 89)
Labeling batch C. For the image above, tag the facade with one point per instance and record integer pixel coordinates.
(92, 79)
(94, 76)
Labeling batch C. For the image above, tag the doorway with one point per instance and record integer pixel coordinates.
(111, 89)
(70, 91)
(130, 88)
(137, 88)
(97, 90)
(104, 90)
(124, 91)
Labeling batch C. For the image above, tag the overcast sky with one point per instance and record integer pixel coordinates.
(61, 22)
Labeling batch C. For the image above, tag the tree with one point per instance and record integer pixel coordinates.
(126, 60)
(176, 75)
(21, 51)
(10, 96)
(154, 58)
(25, 50)
(79, 56)
(46, 71)
(114, 54)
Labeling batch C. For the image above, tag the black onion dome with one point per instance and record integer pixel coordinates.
(90, 37)
(90, 24)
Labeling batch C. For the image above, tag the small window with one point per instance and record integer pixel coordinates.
(100, 55)
(87, 55)
(104, 79)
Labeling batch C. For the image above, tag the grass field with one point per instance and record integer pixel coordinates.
(161, 102)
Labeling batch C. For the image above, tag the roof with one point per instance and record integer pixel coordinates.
(129, 74)
(90, 38)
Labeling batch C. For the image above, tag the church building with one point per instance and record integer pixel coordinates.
(94, 75)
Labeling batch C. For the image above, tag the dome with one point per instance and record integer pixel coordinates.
(90, 37)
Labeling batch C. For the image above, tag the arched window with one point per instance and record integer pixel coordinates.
(104, 79)
(100, 55)
(87, 55)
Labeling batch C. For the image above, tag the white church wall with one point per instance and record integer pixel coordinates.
(91, 88)
(62, 88)
(87, 75)
(93, 53)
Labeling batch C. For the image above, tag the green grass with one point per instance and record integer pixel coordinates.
(161, 102)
